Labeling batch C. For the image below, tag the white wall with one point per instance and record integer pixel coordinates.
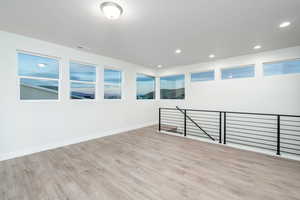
(274, 94)
(27, 127)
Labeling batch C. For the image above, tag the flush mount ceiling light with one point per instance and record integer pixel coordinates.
(212, 56)
(159, 66)
(178, 51)
(284, 24)
(41, 65)
(257, 47)
(111, 10)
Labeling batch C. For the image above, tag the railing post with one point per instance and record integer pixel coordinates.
(185, 122)
(220, 128)
(278, 134)
(159, 119)
(224, 127)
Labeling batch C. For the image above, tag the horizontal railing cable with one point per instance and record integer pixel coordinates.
(272, 132)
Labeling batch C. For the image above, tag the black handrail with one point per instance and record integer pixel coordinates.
(242, 128)
(186, 116)
(233, 112)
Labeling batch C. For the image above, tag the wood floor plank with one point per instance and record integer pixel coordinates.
(144, 165)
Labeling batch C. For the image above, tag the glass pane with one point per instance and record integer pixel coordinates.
(145, 87)
(172, 87)
(238, 72)
(33, 89)
(112, 92)
(284, 67)
(203, 76)
(82, 91)
(112, 84)
(37, 66)
(79, 72)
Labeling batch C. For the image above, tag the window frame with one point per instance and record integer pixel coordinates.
(18, 77)
(202, 71)
(155, 92)
(237, 67)
(83, 82)
(110, 67)
(278, 61)
(185, 86)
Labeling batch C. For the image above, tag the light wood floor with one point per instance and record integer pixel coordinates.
(142, 164)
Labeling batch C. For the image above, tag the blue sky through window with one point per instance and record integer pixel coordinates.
(203, 76)
(145, 86)
(80, 72)
(37, 66)
(172, 87)
(112, 84)
(284, 67)
(238, 72)
(172, 82)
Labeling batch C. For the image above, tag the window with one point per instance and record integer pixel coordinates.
(83, 81)
(172, 87)
(39, 77)
(145, 87)
(203, 76)
(238, 72)
(112, 84)
(283, 67)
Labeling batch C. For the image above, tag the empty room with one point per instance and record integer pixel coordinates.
(150, 100)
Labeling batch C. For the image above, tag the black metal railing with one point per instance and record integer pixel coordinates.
(273, 132)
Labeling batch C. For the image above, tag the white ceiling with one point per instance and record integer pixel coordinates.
(150, 30)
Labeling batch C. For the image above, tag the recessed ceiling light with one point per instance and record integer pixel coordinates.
(41, 65)
(159, 66)
(212, 56)
(178, 51)
(284, 24)
(111, 10)
(257, 47)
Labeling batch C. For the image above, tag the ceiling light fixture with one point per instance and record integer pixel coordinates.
(257, 47)
(41, 65)
(212, 56)
(159, 66)
(284, 24)
(111, 10)
(178, 51)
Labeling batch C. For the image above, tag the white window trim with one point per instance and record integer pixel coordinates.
(154, 98)
(281, 60)
(106, 67)
(84, 82)
(18, 51)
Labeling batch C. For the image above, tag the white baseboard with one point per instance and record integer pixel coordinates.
(46, 147)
